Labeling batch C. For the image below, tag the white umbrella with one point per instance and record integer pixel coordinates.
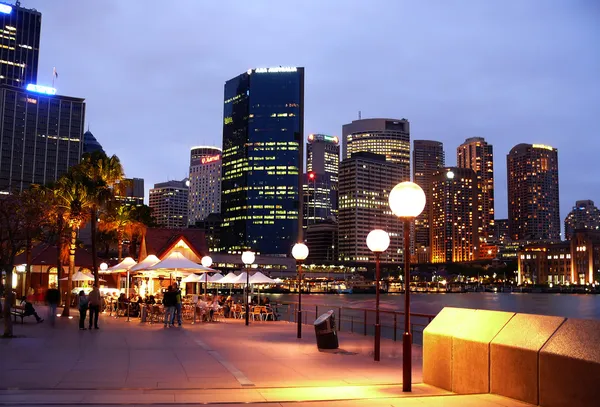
(216, 278)
(228, 279)
(192, 278)
(123, 266)
(178, 263)
(241, 279)
(79, 276)
(260, 278)
(149, 261)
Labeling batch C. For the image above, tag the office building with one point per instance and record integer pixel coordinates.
(501, 234)
(428, 157)
(321, 181)
(454, 224)
(91, 144)
(262, 165)
(388, 137)
(19, 45)
(205, 183)
(533, 206)
(322, 240)
(475, 153)
(366, 180)
(169, 203)
(131, 192)
(584, 215)
(41, 136)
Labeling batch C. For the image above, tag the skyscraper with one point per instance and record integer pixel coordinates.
(584, 215)
(90, 144)
(454, 224)
(428, 157)
(389, 137)
(321, 182)
(475, 153)
(205, 183)
(366, 180)
(19, 45)
(133, 192)
(169, 203)
(263, 129)
(41, 136)
(533, 205)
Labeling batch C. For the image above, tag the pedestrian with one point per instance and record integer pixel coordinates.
(52, 299)
(169, 301)
(177, 306)
(95, 299)
(83, 307)
(29, 310)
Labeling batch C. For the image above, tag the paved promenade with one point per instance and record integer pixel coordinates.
(222, 363)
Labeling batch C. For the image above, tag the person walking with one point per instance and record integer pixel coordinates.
(177, 306)
(83, 307)
(95, 299)
(52, 299)
(169, 301)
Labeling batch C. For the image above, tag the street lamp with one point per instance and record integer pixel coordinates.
(407, 201)
(377, 241)
(206, 261)
(300, 253)
(103, 267)
(247, 258)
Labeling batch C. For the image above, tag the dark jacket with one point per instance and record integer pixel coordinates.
(170, 299)
(52, 296)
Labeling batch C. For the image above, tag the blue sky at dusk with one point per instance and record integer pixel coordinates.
(152, 73)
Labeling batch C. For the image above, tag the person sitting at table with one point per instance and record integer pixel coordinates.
(29, 310)
(266, 300)
(214, 306)
(150, 300)
(254, 300)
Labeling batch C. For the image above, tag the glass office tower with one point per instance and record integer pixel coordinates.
(263, 120)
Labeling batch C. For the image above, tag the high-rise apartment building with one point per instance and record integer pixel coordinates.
(454, 224)
(205, 183)
(501, 226)
(533, 205)
(584, 215)
(366, 180)
(475, 153)
(262, 166)
(19, 45)
(132, 192)
(169, 203)
(321, 182)
(388, 137)
(41, 136)
(428, 157)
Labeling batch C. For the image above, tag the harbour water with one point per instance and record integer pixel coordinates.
(565, 305)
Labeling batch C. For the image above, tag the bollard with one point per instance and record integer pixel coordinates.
(128, 310)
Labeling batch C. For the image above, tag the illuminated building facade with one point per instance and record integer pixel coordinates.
(321, 182)
(366, 180)
(19, 45)
(454, 231)
(428, 157)
(41, 136)
(205, 183)
(475, 153)
(322, 239)
(584, 215)
(133, 192)
(501, 234)
(533, 206)
(262, 166)
(169, 203)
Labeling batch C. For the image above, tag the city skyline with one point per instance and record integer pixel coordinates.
(536, 84)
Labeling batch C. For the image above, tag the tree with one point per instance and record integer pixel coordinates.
(119, 218)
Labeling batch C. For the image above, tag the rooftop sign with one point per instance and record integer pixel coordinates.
(323, 137)
(276, 69)
(544, 146)
(5, 8)
(46, 90)
(210, 158)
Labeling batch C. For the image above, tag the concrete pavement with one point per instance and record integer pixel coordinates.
(222, 363)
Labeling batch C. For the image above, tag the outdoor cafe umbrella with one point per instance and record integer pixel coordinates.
(123, 266)
(150, 260)
(229, 279)
(260, 278)
(216, 278)
(179, 266)
(79, 276)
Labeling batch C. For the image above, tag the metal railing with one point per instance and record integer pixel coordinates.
(358, 320)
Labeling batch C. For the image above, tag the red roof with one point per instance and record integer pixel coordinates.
(45, 254)
(158, 241)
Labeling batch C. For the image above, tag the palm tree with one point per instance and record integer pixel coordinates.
(73, 203)
(119, 218)
(102, 175)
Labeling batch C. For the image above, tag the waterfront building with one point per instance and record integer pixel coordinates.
(584, 215)
(263, 128)
(132, 193)
(388, 137)
(454, 228)
(533, 201)
(41, 136)
(19, 45)
(501, 233)
(321, 181)
(366, 180)
(428, 157)
(322, 241)
(205, 183)
(575, 262)
(475, 153)
(169, 203)
(90, 143)
(211, 225)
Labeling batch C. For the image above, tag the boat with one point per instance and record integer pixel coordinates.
(341, 288)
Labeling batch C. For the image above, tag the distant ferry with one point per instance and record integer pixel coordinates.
(342, 288)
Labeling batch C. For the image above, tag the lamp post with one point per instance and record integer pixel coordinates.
(103, 267)
(300, 253)
(377, 241)
(247, 258)
(407, 201)
(206, 261)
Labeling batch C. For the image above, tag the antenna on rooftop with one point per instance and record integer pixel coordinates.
(359, 115)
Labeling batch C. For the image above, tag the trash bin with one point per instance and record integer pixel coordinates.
(326, 332)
